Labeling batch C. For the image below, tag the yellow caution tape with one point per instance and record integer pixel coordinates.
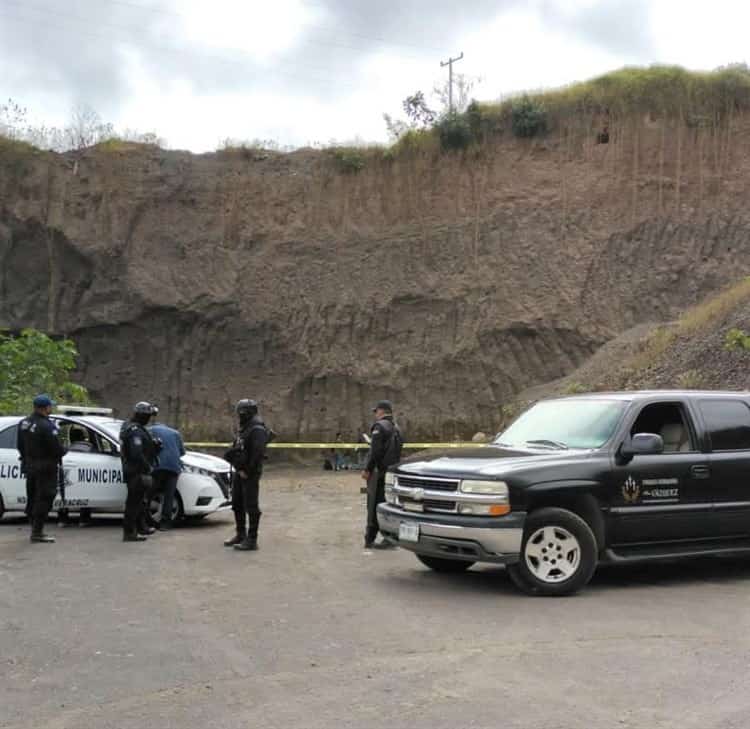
(343, 446)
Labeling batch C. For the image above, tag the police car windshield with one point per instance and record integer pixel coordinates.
(111, 428)
(561, 424)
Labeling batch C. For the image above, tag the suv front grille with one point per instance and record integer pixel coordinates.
(427, 484)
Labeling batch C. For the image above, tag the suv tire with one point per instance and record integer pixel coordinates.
(438, 564)
(558, 554)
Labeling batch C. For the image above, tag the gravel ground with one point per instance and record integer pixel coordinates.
(313, 631)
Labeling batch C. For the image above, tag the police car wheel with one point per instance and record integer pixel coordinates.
(2, 507)
(558, 554)
(155, 508)
(438, 564)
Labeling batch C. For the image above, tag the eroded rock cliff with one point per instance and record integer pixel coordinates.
(445, 282)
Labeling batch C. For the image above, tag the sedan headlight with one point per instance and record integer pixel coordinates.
(488, 488)
(200, 471)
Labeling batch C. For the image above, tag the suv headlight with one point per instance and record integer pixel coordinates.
(390, 478)
(488, 488)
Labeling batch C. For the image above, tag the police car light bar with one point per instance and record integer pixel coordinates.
(82, 410)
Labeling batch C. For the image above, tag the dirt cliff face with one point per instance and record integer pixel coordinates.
(445, 282)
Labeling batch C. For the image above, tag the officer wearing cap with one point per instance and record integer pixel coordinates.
(246, 456)
(385, 450)
(139, 454)
(41, 456)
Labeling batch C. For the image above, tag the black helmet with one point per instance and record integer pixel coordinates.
(145, 408)
(143, 411)
(246, 408)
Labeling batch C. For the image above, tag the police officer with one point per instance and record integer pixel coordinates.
(385, 450)
(246, 455)
(139, 452)
(41, 457)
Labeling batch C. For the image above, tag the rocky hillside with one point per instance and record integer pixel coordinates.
(448, 282)
(697, 351)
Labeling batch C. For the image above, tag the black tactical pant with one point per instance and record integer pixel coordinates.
(134, 504)
(44, 491)
(245, 494)
(30, 494)
(375, 496)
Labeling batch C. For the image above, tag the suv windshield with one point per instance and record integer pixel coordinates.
(560, 424)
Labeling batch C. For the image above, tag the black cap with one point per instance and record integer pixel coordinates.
(386, 405)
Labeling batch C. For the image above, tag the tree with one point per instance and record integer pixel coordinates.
(12, 120)
(31, 363)
(418, 116)
(463, 86)
(86, 129)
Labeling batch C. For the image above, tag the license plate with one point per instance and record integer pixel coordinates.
(408, 532)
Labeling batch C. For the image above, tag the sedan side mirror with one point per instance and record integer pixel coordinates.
(641, 444)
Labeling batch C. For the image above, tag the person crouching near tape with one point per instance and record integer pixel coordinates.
(246, 456)
(385, 450)
(139, 453)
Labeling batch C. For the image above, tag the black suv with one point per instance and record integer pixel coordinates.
(575, 481)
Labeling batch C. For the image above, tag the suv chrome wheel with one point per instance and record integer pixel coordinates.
(552, 554)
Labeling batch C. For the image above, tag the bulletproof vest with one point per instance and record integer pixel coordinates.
(42, 447)
(133, 455)
(394, 443)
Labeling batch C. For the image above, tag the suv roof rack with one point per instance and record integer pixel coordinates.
(82, 410)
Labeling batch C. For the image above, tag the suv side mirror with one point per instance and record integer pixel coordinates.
(641, 444)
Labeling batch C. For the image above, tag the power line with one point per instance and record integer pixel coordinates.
(45, 9)
(173, 51)
(380, 39)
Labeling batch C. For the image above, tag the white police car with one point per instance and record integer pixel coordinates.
(93, 473)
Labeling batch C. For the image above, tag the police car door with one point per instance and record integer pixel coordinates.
(91, 474)
(663, 497)
(12, 484)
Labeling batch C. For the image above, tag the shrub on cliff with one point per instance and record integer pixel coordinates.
(455, 132)
(31, 363)
(529, 118)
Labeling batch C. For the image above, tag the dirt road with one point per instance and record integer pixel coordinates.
(314, 632)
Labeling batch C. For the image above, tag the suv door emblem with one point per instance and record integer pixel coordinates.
(631, 491)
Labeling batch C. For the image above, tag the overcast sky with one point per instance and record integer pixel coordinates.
(310, 71)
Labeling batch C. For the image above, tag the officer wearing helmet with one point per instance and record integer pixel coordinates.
(139, 453)
(246, 455)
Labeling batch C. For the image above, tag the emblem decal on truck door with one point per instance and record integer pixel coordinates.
(631, 491)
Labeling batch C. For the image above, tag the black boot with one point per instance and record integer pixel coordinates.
(239, 531)
(37, 531)
(144, 528)
(250, 543)
(133, 537)
(42, 538)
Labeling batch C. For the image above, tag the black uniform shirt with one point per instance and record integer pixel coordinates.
(385, 445)
(139, 454)
(39, 443)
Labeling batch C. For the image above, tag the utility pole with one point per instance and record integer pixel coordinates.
(450, 63)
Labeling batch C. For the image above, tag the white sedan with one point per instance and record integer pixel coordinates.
(93, 472)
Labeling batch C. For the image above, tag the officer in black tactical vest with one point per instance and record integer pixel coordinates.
(139, 453)
(385, 450)
(41, 458)
(246, 456)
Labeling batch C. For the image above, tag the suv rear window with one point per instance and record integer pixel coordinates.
(728, 424)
